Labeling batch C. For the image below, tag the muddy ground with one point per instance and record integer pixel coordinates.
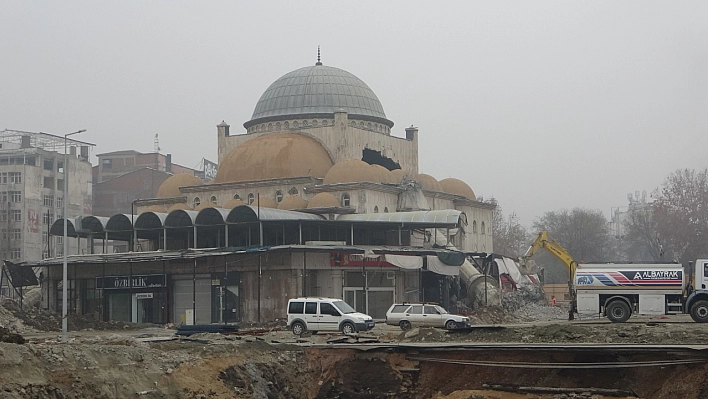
(266, 361)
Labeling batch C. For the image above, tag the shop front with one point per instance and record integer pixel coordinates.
(138, 299)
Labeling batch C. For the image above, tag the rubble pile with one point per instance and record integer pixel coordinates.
(524, 295)
(31, 319)
(10, 337)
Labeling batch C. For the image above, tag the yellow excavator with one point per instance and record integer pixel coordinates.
(543, 240)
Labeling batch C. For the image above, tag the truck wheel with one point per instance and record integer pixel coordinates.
(618, 311)
(699, 311)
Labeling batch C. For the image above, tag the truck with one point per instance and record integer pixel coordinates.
(618, 290)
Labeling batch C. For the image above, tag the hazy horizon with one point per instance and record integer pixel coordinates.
(542, 105)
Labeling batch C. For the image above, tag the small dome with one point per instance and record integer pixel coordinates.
(351, 171)
(155, 208)
(205, 205)
(317, 90)
(397, 175)
(170, 187)
(265, 203)
(292, 202)
(274, 156)
(428, 182)
(324, 200)
(183, 207)
(383, 174)
(457, 187)
(233, 203)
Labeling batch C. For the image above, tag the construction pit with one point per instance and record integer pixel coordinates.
(504, 358)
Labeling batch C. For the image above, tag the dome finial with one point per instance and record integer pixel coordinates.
(318, 56)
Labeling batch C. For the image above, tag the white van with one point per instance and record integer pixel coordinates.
(325, 314)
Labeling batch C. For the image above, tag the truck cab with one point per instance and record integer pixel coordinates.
(696, 291)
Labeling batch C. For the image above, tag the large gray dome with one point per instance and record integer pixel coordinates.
(317, 91)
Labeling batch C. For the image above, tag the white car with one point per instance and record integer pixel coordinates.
(406, 315)
(325, 314)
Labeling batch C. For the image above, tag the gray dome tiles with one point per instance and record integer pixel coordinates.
(318, 91)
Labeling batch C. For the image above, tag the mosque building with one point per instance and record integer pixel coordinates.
(319, 142)
(315, 198)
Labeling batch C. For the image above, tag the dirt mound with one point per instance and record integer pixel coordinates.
(43, 320)
(10, 337)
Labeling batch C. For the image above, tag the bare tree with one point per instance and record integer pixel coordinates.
(641, 241)
(582, 232)
(510, 237)
(681, 214)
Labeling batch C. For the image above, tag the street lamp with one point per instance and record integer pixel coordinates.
(65, 283)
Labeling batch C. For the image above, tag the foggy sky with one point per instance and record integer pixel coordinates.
(542, 105)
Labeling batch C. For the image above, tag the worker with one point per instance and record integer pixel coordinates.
(553, 300)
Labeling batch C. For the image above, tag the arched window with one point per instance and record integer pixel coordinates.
(277, 126)
(236, 196)
(213, 199)
(295, 125)
(376, 209)
(482, 228)
(270, 127)
(345, 199)
(292, 191)
(278, 196)
(314, 122)
(287, 125)
(474, 226)
(386, 209)
(251, 198)
(197, 201)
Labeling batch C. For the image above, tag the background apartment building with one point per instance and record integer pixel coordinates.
(32, 174)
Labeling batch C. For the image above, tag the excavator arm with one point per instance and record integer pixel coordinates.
(543, 240)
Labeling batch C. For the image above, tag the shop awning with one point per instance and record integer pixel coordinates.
(431, 219)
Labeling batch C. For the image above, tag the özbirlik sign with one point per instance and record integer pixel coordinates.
(128, 282)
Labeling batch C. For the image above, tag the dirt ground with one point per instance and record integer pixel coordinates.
(117, 360)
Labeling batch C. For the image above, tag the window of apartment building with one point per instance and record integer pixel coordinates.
(49, 201)
(48, 164)
(30, 161)
(15, 177)
(16, 215)
(60, 239)
(3, 215)
(4, 161)
(60, 166)
(45, 254)
(482, 230)
(45, 237)
(49, 182)
(60, 202)
(15, 253)
(3, 178)
(4, 234)
(3, 197)
(107, 163)
(60, 184)
(16, 234)
(48, 217)
(15, 196)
